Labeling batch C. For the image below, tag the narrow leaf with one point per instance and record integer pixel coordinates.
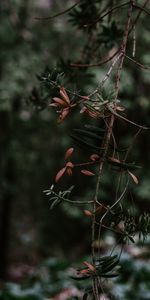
(94, 157)
(69, 164)
(55, 202)
(60, 174)
(91, 267)
(88, 213)
(94, 128)
(63, 115)
(88, 134)
(113, 159)
(131, 239)
(64, 95)
(68, 153)
(82, 143)
(87, 173)
(111, 275)
(134, 178)
(60, 101)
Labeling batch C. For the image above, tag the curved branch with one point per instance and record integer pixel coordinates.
(106, 14)
(102, 62)
(58, 14)
(137, 63)
(138, 15)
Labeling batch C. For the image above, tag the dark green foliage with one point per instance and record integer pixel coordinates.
(110, 35)
(30, 140)
(85, 13)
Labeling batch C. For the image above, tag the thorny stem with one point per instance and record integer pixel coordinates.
(108, 136)
(107, 140)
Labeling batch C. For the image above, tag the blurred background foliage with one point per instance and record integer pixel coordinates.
(32, 146)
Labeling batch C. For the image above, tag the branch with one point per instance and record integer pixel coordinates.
(128, 121)
(116, 202)
(137, 63)
(102, 62)
(138, 15)
(58, 14)
(106, 14)
(142, 8)
(71, 201)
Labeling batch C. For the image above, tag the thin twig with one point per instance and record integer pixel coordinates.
(111, 229)
(106, 14)
(71, 201)
(106, 76)
(142, 8)
(80, 65)
(134, 42)
(137, 63)
(115, 203)
(131, 145)
(128, 121)
(102, 62)
(106, 144)
(110, 69)
(138, 15)
(123, 48)
(58, 14)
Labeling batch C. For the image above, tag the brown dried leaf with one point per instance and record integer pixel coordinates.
(83, 271)
(92, 114)
(64, 95)
(69, 153)
(134, 178)
(114, 159)
(83, 109)
(94, 157)
(60, 101)
(69, 171)
(88, 213)
(99, 209)
(120, 108)
(53, 104)
(91, 267)
(87, 173)
(85, 97)
(60, 174)
(69, 164)
(63, 115)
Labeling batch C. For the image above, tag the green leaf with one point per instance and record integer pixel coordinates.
(131, 239)
(111, 266)
(80, 278)
(88, 134)
(55, 202)
(125, 166)
(110, 275)
(107, 259)
(94, 129)
(86, 145)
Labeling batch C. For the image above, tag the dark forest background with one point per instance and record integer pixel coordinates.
(32, 146)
